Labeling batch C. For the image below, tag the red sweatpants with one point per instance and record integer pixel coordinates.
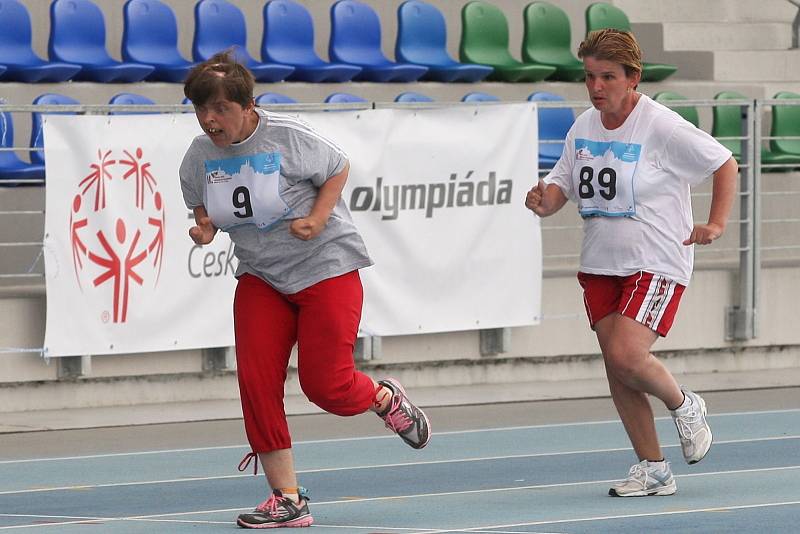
(323, 321)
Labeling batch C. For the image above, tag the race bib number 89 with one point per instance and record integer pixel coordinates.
(603, 177)
(245, 190)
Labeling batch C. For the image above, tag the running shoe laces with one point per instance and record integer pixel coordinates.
(397, 420)
(246, 461)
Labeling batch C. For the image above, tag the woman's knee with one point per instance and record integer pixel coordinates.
(328, 394)
(624, 362)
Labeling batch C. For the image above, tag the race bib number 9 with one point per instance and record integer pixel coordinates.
(245, 190)
(603, 177)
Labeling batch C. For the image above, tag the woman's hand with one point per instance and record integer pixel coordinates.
(704, 234)
(203, 233)
(307, 227)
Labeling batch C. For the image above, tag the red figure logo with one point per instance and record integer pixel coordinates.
(122, 227)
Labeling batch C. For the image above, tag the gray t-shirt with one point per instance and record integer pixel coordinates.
(307, 161)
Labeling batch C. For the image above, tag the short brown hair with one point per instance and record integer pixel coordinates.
(220, 74)
(613, 45)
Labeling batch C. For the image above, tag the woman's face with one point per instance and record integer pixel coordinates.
(610, 89)
(223, 121)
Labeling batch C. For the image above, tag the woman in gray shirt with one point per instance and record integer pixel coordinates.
(275, 185)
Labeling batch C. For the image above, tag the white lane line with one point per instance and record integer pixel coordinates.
(610, 517)
(367, 438)
(484, 528)
(364, 467)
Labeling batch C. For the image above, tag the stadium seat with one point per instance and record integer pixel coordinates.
(219, 26)
(477, 96)
(727, 122)
(343, 98)
(130, 99)
(16, 52)
(150, 35)
(785, 123)
(274, 98)
(289, 38)
(554, 123)
(411, 96)
(422, 39)
(37, 121)
(484, 40)
(547, 40)
(11, 167)
(687, 112)
(78, 35)
(602, 15)
(356, 39)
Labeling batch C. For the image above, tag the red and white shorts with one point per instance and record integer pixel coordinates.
(645, 297)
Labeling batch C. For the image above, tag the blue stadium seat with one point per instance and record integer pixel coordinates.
(130, 99)
(356, 39)
(78, 35)
(289, 38)
(16, 52)
(411, 96)
(554, 123)
(11, 167)
(37, 122)
(219, 26)
(274, 98)
(477, 96)
(422, 39)
(150, 35)
(343, 98)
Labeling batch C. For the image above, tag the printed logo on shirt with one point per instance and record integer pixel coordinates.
(217, 176)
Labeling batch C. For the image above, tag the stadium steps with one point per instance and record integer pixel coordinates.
(719, 40)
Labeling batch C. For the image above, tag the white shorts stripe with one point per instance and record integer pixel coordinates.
(659, 292)
(633, 293)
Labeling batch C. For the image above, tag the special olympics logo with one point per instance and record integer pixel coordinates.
(116, 224)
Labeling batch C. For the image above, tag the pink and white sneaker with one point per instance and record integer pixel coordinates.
(403, 418)
(278, 511)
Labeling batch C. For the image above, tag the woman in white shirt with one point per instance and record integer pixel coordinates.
(628, 163)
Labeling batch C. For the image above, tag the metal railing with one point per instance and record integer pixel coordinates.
(741, 250)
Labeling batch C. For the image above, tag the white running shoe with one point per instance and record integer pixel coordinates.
(644, 480)
(693, 430)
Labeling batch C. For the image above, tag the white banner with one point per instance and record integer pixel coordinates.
(442, 212)
(437, 194)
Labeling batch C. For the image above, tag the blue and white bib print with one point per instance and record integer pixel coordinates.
(245, 190)
(604, 176)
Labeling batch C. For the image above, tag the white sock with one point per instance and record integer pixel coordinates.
(660, 466)
(685, 404)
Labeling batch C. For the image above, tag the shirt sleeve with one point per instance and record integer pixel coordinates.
(320, 158)
(561, 174)
(692, 154)
(192, 176)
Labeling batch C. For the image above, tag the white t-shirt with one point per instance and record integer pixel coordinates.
(632, 185)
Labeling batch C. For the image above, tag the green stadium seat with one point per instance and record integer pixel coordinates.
(687, 112)
(785, 122)
(484, 40)
(727, 122)
(602, 15)
(547, 40)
